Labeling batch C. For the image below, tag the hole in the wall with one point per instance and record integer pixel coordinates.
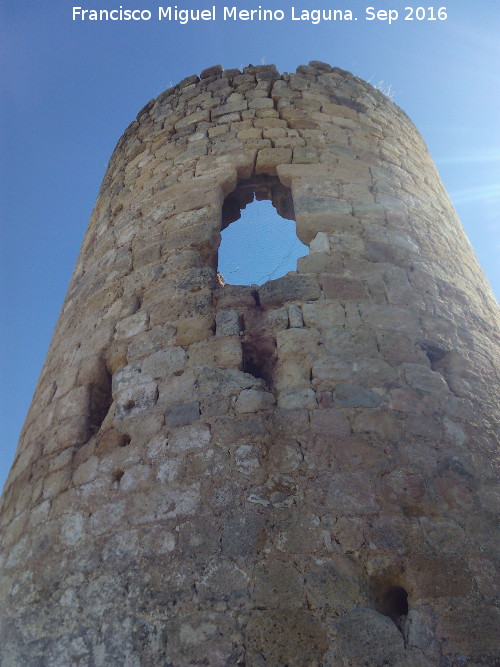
(129, 404)
(258, 241)
(433, 351)
(110, 439)
(117, 475)
(392, 601)
(124, 441)
(100, 399)
(259, 357)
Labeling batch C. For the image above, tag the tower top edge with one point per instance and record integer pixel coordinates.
(315, 69)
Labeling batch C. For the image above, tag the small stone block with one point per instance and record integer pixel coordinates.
(295, 316)
(343, 288)
(350, 396)
(253, 400)
(288, 288)
(227, 323)
(269, 158)
(193, 329)
(211, 71)
(182, 414)
(188, 81)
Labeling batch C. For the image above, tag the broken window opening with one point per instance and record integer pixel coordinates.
(261, 245)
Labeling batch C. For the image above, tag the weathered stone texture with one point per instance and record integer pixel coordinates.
(297, 473)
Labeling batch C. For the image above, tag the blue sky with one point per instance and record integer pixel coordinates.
(71, 88)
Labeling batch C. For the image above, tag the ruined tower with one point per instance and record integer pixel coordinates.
(298, 473)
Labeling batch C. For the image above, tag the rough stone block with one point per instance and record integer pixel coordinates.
(320, 243)
(192, 119)
(381, 316)
(289, 591)
(351, 396)
(231, 107)
(164, 362)
(158, 337)
(305, 155)
(289, 288)
(189, 437)
(323, 315)
(136, 399)
(269, 158)
(75, 403)
(343, 289)
(193, 329)
(182, 414)
(252, 400)
(420, 377)
(215, 70)
(243, 535)
(295, 316)
(227, 323)
(330, 422)
(223, 352)
(246, 459)
(247, 428)
(321, 262)
(260, 103)
(346, 494)
(383, 641)
(283, 638)
(293, 374)
(309, 223)
(297, 399)
(70, 431)
(133, 325)
(377, 423)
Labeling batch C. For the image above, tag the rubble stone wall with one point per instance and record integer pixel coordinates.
(299, 473)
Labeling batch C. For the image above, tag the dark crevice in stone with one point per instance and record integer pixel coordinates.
(124, 441)
(255, 294)
(434, 351)
(101, 399)
(392, 601)
(259, 356)
(116, 476)
(454, 465)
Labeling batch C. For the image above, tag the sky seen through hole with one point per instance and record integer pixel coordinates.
(260, 246)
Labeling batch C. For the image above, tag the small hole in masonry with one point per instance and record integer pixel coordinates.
(124, 441)
(129, 404)
(117, 475)
(100, 398)
(259, 357)
(433, 351)
(393, 602)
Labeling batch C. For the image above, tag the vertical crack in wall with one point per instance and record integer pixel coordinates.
(100, 399)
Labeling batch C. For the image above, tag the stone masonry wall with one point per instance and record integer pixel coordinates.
(300, 473)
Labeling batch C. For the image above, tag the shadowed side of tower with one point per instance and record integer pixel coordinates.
(299, 473)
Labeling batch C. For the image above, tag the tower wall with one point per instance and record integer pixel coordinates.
(298, 473)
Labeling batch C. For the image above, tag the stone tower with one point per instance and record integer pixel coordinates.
(294, 474)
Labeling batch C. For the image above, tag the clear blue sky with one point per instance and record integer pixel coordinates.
(71, 88)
